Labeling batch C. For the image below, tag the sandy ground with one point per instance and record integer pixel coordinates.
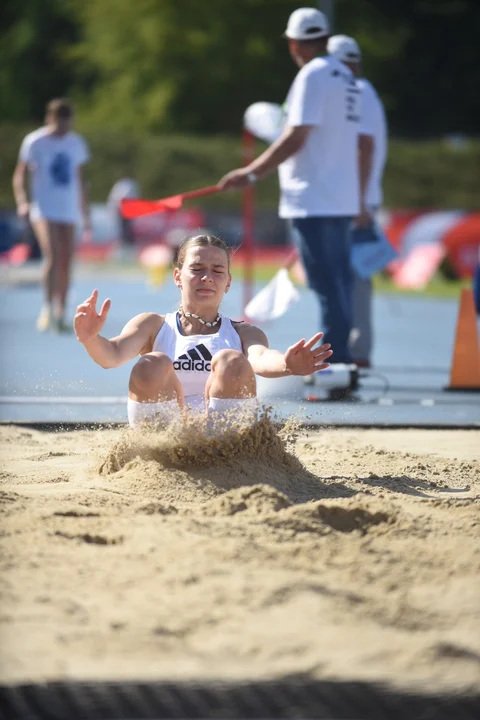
(350, 554)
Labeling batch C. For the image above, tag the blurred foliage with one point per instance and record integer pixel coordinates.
(419, 174)
(193, 66)
(161, 87)
(423, 56)
(35, 35)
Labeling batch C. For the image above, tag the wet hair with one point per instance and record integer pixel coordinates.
(202, 241)
(60, 108)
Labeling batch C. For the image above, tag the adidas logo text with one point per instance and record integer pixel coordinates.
(198, 359)
(197, 365)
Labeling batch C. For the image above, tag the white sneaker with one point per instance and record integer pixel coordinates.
(44, 320)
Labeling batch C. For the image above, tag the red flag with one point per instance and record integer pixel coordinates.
(132, 208)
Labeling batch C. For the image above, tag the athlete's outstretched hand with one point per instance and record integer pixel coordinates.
(305, 359)
(87, 322)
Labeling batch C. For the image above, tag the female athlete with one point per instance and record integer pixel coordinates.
(195, 358)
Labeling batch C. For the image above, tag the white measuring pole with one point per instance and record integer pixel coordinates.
(327, 7)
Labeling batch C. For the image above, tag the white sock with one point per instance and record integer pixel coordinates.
(154, 412)
(236, 412)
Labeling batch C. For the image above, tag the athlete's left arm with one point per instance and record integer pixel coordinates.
(303, 358)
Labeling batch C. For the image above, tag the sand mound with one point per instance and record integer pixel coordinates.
(323, 517)
(258, 500)
(262, 502)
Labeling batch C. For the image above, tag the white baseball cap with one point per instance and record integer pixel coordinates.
(344, 48)
(307, 24)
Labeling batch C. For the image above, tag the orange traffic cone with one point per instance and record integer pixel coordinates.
(465, 370)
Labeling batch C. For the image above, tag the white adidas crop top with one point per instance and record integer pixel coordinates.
(192, 354)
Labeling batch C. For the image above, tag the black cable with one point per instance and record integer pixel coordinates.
(371, 374)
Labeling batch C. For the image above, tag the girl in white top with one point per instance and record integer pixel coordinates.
(54, 156)
(196, 358)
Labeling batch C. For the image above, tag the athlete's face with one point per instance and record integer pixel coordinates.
(204, 277)
(60, 125)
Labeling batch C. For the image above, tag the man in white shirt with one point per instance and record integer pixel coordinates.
(346, 50)
(54, 157)
(317, 158)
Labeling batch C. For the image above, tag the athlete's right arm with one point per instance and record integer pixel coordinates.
(19, 189)
(137, 335)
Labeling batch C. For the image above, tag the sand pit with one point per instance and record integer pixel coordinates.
(355, 555)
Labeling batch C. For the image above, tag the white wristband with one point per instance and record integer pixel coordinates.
(252, 178)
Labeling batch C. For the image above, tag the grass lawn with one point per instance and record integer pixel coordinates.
(438, 287)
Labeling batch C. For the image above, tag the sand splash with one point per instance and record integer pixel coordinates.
(190, 444)
(184, 463)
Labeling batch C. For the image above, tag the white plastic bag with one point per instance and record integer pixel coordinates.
(274, 299)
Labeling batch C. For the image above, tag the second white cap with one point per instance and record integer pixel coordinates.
(344, 48)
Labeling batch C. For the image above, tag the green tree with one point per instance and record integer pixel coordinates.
(182, 64)
(194, 66)
(34, 35)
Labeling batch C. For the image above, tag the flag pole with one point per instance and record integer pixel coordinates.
(248, 244)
